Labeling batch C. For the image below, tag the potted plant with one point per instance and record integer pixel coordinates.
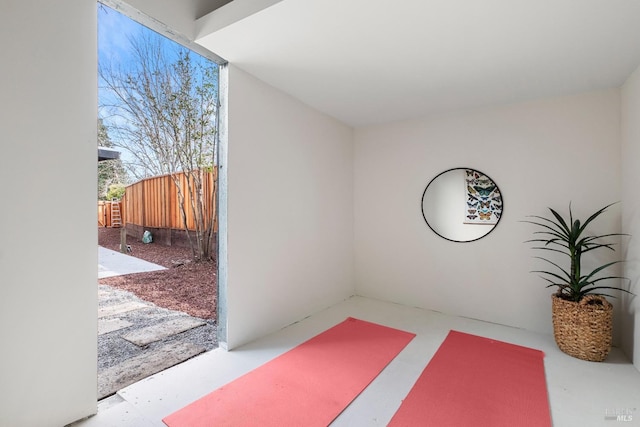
(582, 316)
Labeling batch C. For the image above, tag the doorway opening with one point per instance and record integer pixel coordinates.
(158, 225)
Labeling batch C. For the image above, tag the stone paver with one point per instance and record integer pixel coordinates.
(177, 337)
(110, 325)
(113, 310)
(145, 336)
(144, 365)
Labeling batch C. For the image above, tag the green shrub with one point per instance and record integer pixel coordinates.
(115, 191)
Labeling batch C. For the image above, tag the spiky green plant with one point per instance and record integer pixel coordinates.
(569, 238)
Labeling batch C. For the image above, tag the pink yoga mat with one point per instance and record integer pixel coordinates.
(307, 386)
(479, 382)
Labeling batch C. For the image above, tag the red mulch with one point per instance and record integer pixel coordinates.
(185, 286)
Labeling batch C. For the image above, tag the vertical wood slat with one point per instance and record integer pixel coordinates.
(154, 202)
(102, 220)
(104, 212)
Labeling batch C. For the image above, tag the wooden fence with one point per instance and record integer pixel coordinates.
(104, 213)
(153, 204)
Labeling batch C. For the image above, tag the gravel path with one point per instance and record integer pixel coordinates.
(114, 350)
(184, 292)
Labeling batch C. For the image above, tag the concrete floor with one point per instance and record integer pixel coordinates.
(580, 393)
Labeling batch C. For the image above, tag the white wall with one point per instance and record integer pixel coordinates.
(179, 16)
(48, 256)
(631, 211)
(541, 154)
(289, 207)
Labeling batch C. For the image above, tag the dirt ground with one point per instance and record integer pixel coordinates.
(185, 286)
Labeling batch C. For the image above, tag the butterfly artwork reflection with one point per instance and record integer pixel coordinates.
(483, 199)
(453, 210)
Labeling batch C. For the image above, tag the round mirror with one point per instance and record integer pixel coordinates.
(462, 204)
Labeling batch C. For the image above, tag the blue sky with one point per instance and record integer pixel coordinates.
(114, 33)
(114, 30)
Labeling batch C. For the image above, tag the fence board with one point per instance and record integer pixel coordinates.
(154, 202)
(104, 213)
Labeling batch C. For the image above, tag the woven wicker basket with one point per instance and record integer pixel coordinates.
(583, 329)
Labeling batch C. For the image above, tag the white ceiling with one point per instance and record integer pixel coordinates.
(374, 61)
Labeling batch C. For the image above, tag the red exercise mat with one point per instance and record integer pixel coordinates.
(307, 386)
(479, 382)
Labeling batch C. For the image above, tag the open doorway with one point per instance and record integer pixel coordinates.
(158, 231)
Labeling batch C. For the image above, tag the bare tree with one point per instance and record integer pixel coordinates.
(162, 109)
(109, 171)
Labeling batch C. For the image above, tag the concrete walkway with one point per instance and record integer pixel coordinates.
(112, 263)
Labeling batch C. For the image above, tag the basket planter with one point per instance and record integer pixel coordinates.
(583, 329)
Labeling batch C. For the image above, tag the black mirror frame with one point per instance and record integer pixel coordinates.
(447, 238)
